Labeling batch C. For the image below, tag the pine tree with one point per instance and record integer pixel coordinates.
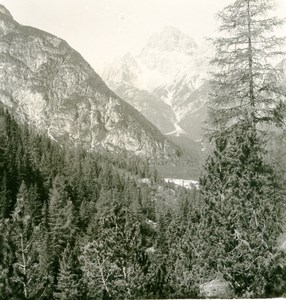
(60, 220)
(69, 284)
(44, 286)
(242, 216)
(99, 272)
(239, 189)
(24, 239)
(112, 262)
(4, 197)
(7, 258)
(185, 236)
(244, 85)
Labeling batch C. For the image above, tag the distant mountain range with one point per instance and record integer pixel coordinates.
(166, 82)
(47, 84)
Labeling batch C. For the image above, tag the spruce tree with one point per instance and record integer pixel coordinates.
(25, 239)
(60, 220)
(8, 288)
(242, 199)
(69, 284)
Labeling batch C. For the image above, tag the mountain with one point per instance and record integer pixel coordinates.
(166, 82)
(46, 83)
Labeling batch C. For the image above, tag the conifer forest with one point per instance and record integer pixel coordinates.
(81, 224)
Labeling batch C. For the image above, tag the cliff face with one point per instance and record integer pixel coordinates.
(165, 82)
(47, 84)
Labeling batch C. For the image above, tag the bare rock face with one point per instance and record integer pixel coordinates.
(217, 288)
(46, 83)
(165, 82)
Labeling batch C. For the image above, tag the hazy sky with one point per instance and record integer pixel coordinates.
(103, 29)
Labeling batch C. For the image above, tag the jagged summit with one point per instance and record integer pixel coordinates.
(172, 30)
(7, 23)
(165, 82)
(171, 39)
(5, 11)
(125, 70)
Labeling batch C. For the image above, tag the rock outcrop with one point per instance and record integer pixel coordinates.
(216, 288)
(47, 84)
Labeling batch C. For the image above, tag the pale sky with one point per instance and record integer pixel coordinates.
(103, 29)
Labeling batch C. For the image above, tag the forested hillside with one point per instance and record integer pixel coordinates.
(77, 225)
(85, 222)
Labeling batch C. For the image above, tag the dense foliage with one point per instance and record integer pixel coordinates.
(80, 225)
(77, 225)
(241, 191)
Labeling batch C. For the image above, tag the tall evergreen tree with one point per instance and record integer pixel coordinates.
(25, 239)
(244, 84)
(239, 188)
(7, 258)
(70, 285)
(60, 220)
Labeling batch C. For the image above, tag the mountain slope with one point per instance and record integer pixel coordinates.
(47, 84)
(172, 69)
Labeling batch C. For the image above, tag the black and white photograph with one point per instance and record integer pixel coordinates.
(142, 149)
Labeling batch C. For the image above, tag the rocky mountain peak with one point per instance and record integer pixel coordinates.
(47, 84)
(128, 58)
(5, 11)
(165, 82)
(7, 23)
(125, 70)
(171, 39)
(168, 51)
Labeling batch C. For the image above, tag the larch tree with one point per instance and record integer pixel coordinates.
(240, 191)
(244, 84)
(25, 240)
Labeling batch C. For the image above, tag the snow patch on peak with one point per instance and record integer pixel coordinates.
(150, 79)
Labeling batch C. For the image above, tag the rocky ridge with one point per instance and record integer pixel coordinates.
(47, 84)
(172, 69)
